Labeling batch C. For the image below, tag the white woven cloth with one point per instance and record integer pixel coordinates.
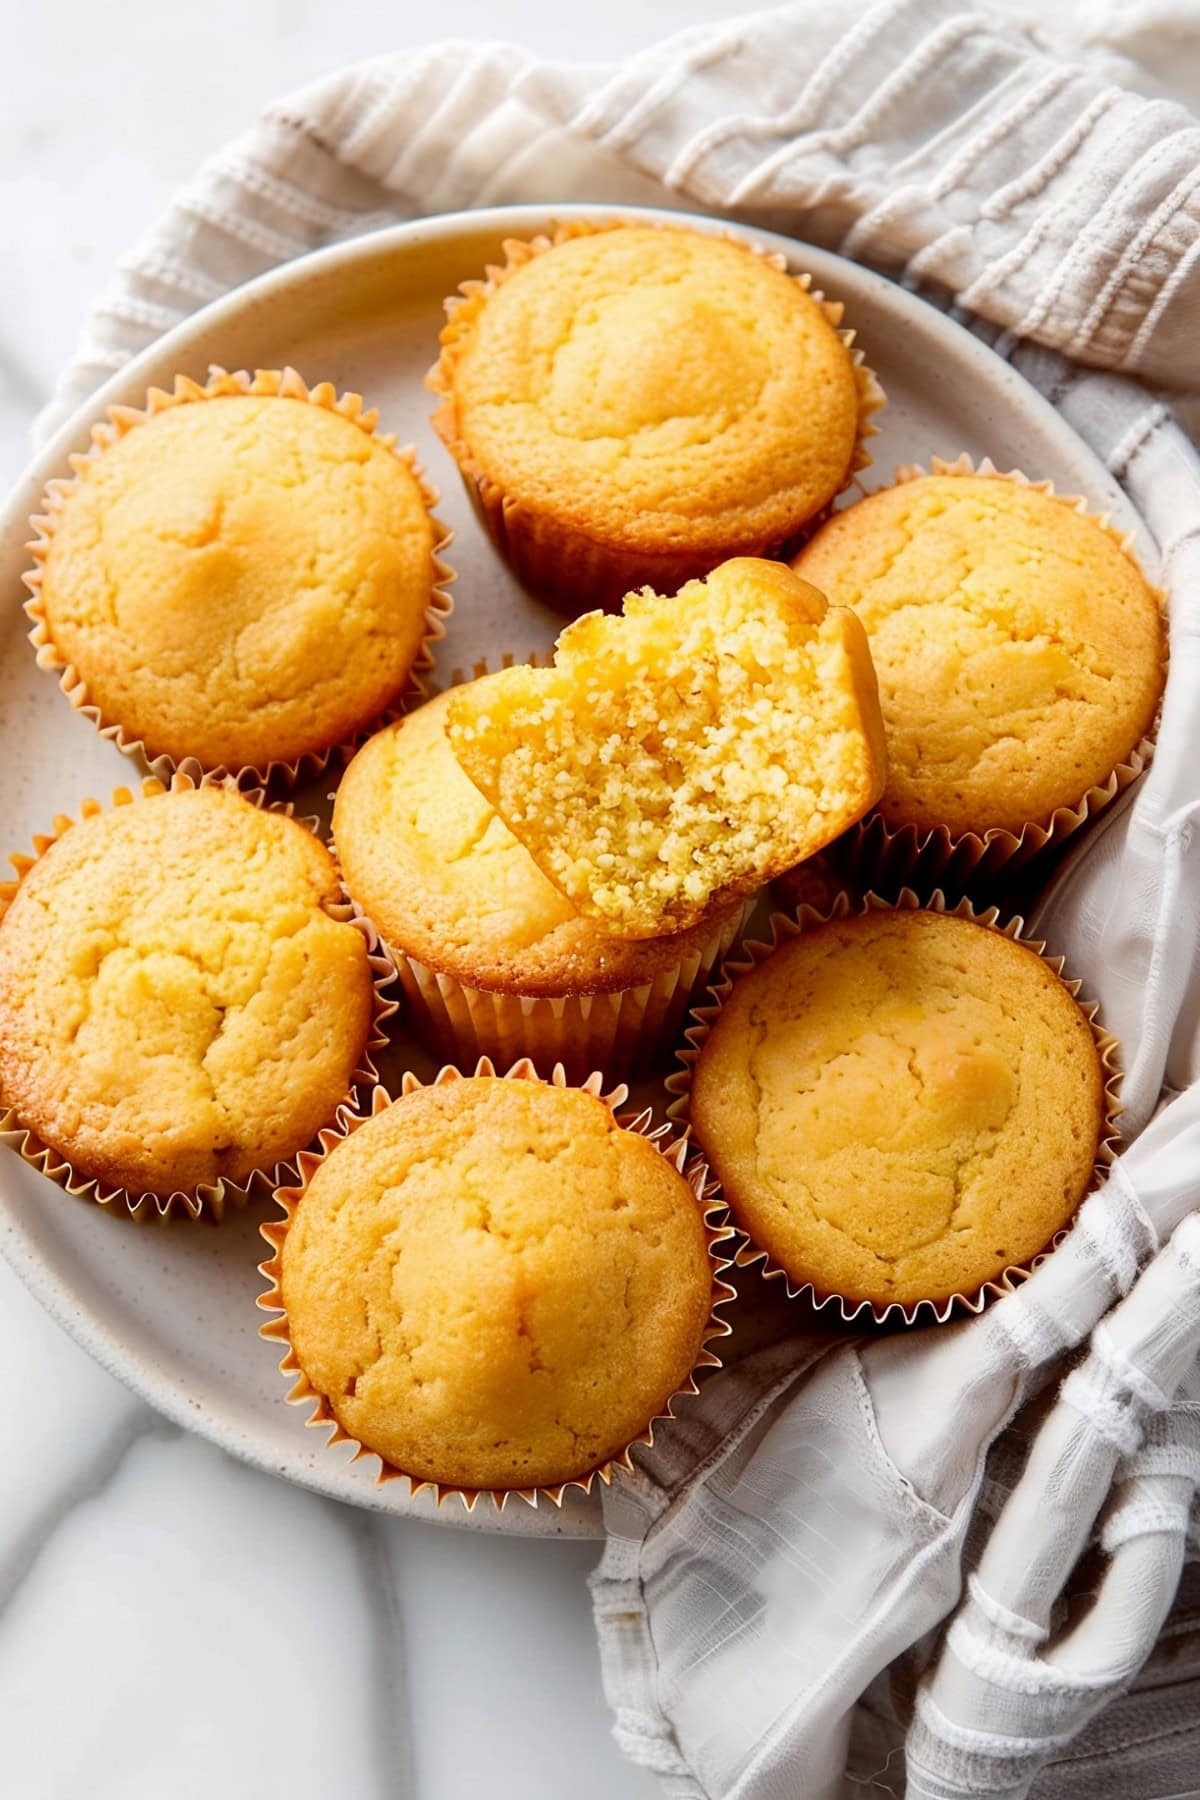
(777, 1576)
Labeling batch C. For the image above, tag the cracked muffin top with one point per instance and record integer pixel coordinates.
(900, 1105)
(495, 1285)
(241, 578)
(653, 391)
(446, 882)
(680, 755)
(1019, 648)
(176, 1003)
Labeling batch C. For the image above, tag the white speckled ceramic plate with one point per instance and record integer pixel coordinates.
(171, 1312)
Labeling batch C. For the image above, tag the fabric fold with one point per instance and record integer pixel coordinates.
(929, 138)
(1007, 1692)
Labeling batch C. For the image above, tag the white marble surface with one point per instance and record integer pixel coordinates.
(175, 1626)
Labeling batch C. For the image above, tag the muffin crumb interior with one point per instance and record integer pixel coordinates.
(446, 882)
(693, 747)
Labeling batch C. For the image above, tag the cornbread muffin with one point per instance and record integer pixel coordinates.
(1019, 648)
(494, 1285)
(682, 754)
(240, 578)
(637, 403)
(176, 1003)
(900, 1106)
(488, 949)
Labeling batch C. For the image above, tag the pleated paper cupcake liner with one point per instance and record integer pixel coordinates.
(564, 567)
(865, 1313)
(886, 857)
(718, 1232)
(286, 383)
(626, 1032)
(207, 1199)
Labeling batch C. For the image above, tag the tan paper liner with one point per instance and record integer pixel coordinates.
(718, 1232)
(209, 1198)
(559, 564)
(873, 853)
(625, 1032)
(865, 1312)
(123, 419)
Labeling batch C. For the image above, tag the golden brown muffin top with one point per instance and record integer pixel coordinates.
(495, 1285)
(900, 1105)
(654, 387)
(446, 882)
(1019, 648)
(684, 753)
(241, 579)
(176, 1003)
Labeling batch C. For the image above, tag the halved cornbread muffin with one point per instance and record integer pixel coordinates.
(684, 752)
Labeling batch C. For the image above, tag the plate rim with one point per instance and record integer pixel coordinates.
(85, 1324)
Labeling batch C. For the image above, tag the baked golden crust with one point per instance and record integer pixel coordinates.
(1019, 648)
(494, 1285)
(900, 1106)
(176, 1004)
(241, 579)
(640, 402)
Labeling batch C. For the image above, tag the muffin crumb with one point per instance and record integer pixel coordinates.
(691, 749)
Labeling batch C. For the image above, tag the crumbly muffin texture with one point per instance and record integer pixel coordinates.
(241, 579)
(494, 1285)
(900, 1105)
(446, 882)
(685, 752)
(1019, 648)
(176, 1003)
(659, 389)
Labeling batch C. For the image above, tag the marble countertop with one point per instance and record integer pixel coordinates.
(176, 1626)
